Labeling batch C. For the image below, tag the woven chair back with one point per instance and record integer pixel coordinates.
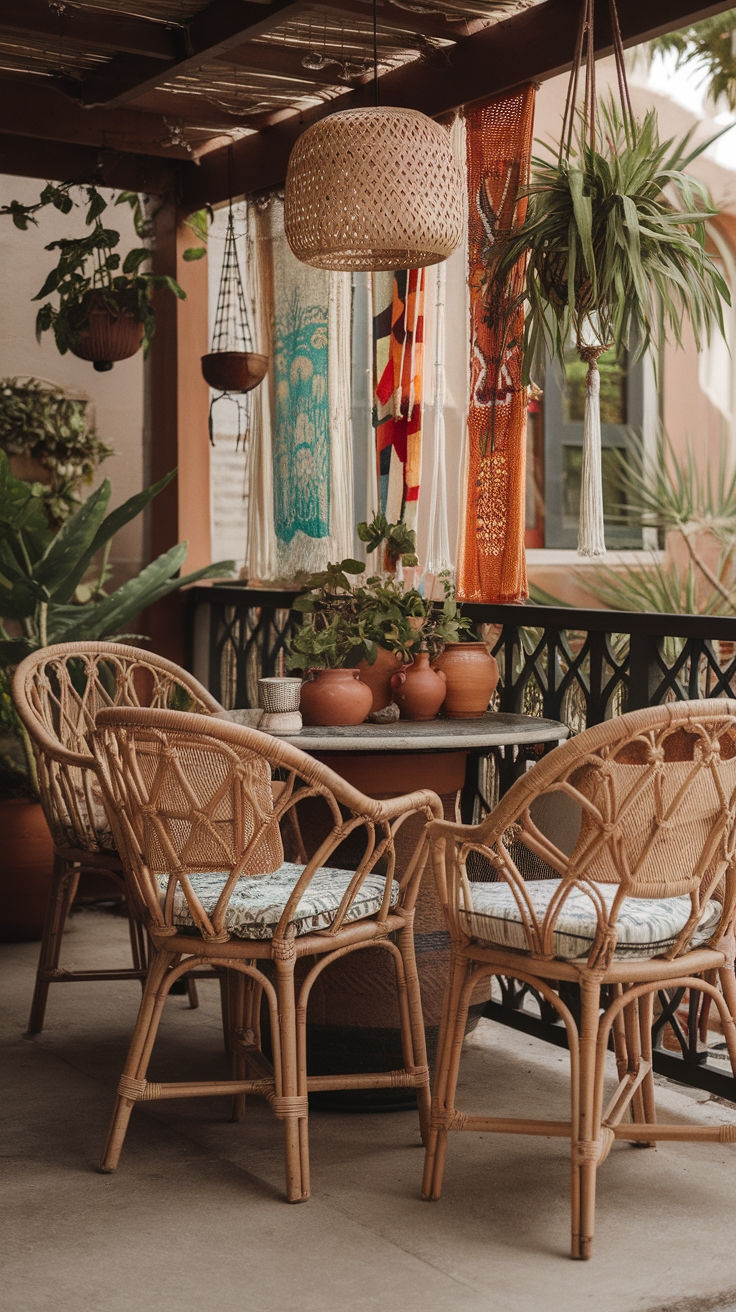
(57, 692)
(187, 795)
(656, 791)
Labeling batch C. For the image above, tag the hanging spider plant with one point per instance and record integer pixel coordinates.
(614, 239)
(613, 246)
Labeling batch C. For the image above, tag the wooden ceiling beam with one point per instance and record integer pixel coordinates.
(29, 157)
(433, 26)
(37, 109)
(95, 30)
(221, 26)
(534, 45)
(282, 61)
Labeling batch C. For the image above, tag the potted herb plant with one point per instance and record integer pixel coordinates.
(47, 438)
(104, 311)
(47, 596)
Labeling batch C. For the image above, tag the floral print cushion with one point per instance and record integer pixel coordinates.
(647, 927)
(257, 902)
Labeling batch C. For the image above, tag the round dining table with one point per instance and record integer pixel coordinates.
(353, 1012)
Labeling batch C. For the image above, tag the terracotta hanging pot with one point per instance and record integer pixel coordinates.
(335, 697)
(378, 676)
(234, 371)
(419, 691)
(26, 867)
(107, 339)
(471, 674)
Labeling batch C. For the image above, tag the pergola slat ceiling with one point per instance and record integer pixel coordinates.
(155, 83)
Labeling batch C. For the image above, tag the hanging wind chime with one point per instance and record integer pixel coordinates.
(373, 189)
(232, 368)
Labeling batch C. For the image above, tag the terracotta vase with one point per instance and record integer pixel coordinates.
(471, 674)
(107, 339)
(334, 697)
(26, 867)
(419, 691)
(234, 371)
(378, 676)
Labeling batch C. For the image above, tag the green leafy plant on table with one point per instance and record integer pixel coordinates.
(346, 623)
(41, 425)
(90, 274)
(46, 594)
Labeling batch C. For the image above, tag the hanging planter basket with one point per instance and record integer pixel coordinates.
(107, 339)
(234, 371)
(232, 368)
(373, 189)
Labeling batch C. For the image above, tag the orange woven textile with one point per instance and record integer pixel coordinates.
(492, 563)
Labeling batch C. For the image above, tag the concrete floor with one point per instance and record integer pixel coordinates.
(195, 1217)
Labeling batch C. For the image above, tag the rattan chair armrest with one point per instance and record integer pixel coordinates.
(422, 800)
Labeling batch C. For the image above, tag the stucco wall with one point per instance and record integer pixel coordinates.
(116, 397)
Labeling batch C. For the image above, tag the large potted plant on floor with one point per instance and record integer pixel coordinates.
(104, 312)
(52, 590)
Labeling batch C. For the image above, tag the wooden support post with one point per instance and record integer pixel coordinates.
(178, 401)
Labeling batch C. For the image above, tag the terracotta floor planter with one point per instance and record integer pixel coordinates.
(471, 674)
(26, 866)
(335, 697)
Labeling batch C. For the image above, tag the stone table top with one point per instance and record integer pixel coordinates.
(494, 729)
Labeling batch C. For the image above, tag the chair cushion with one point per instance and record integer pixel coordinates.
(647, 927)
(257, 902)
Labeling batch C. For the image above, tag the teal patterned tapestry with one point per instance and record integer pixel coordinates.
(301, 419)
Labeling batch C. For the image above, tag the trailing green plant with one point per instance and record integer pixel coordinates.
(41, 573)
(41, 421)
(614, 239)
(446, 623)
(90, 273)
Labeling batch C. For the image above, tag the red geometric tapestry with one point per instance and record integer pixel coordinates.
(398, 353)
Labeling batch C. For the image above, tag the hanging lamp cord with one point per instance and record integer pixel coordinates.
(375, 53)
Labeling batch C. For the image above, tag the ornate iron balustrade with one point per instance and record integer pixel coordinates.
(577, 666)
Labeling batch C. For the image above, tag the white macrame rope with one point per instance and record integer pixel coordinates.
(260, 544)
(339, 391)
(438, 545)
(591, 534)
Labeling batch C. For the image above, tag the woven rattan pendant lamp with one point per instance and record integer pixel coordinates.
(375, 188)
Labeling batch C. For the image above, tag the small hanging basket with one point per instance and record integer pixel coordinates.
(234, 371)
(232, 367)
(107, 339)
(373, 189)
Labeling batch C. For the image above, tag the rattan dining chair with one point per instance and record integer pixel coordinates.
(642, 900)
(57, 692)
(197, 822)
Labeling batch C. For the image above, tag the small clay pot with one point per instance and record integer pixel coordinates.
(471, 674)
(334, 697)
(419, 691)
(234, 371)
(378, 676)
(107, 339)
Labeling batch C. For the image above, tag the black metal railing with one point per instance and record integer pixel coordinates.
(577, 666)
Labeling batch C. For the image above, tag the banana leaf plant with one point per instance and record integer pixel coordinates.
(45, 593)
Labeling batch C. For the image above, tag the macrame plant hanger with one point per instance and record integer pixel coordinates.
(232, 367)
(593, 343)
